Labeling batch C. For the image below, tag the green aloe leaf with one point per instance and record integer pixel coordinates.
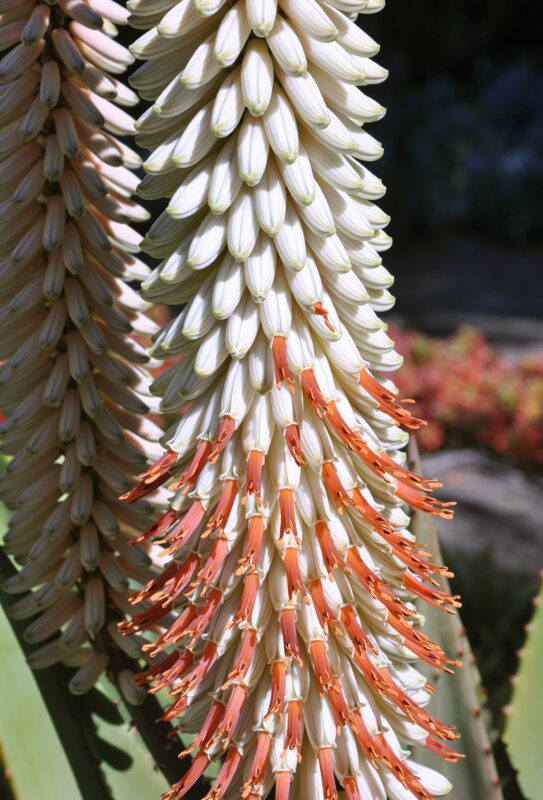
(33, 758)
(458, 700)
(55, 746)
(524, 729)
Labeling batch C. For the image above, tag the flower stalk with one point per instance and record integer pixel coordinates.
(73, 390)
(284, 615)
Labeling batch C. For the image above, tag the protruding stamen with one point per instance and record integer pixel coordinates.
(179, 535)
(375, 586)
(383, 684)
(205, 615)
(319, 601)
(339, 703)
(354, 630)
(408, 552)
(174, 664)
(364, 737)
(398, 767)
(174, 632)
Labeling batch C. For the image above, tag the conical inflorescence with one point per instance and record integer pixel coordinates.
(285, 618)
(71, 387)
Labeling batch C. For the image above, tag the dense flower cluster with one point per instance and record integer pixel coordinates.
(71, 388)
(284, 618)
(472, 396)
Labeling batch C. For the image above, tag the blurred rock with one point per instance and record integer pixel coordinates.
(500, 510)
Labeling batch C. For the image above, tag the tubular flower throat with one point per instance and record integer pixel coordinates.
(284, 622)
(71, 387)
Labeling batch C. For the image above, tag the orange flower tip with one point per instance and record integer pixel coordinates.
(351, 789)
(209, 725)
(226, 775)
(288, 518)
(160, 467)
(283, 781)
(388, 402)
(331, 557)
(280, 362)
(287, 620)
(323, 312)
(222, 510)
(192, 472)
(253, 484)
(251, 585)
(312, 391)
(294, 444)
(279, 682)
(249, 560)
(227, 428)
(335, 487)
(243, 658)
(292, 570)
(321, 665)
(194, 773)
(443, 750)
(326, 765)
(259, 764)
(294, 726)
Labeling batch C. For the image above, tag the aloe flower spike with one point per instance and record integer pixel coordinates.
(284, 615)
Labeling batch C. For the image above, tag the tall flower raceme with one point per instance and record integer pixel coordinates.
(71, 385)
(285, 614)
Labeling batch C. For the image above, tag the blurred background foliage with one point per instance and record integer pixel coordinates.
(464, 140)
